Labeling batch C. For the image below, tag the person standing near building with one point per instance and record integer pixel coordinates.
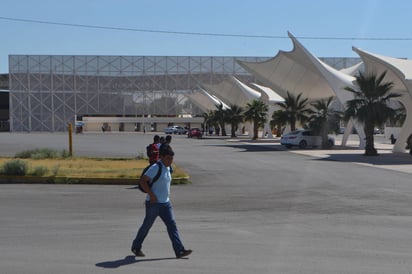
(158, 205)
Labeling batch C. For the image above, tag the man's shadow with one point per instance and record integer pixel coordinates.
(129, 260)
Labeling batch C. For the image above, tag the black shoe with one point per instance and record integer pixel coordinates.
(138, 253)
(184, 253)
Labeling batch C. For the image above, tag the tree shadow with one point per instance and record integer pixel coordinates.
(381, 159)
(130, 260)
(252, 148)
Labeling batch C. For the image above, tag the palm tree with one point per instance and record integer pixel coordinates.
(220, 115)
(319, 118)
(209, 120)
(206, 120)
(256, 112)
(279, 119)
(370, 105)
(295, 108)
(234, 116)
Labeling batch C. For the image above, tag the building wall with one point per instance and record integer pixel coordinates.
(129, 123)
(48, 91)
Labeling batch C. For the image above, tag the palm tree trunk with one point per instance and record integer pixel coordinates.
(324, 135)
(325, 140)
(223, 129)
(255, 130)
(370, 146)
(279, 130)
(292, 125)
(233, 130)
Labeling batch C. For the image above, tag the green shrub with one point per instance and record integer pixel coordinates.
(24, 154)
(14, 167)
(41, 153)
(40, 171)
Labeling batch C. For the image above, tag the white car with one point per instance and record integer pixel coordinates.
(304, 138)
(175, 130)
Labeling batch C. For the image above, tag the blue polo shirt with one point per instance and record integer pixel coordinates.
(160, 188)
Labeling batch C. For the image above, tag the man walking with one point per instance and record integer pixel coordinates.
(158, 204)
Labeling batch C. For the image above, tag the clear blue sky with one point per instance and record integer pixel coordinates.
(323, 18)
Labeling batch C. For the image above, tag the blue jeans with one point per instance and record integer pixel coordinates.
(165, 212)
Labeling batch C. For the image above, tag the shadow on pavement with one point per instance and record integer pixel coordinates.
(252, 148)
(381, 159)
(129, 260)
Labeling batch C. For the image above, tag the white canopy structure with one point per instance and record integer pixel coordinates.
(298, 71)
(270, 97)
(232, 91)
(249, 92)
(398, 71)
(216, 100)
(269, 94)
(205, 101)
(292, 72)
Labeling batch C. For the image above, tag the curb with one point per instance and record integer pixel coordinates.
(72, 180)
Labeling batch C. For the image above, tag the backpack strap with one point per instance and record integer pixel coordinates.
(152, 181)
(157, 176)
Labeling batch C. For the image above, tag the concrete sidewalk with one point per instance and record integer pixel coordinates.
(386, 159)
(352, 153)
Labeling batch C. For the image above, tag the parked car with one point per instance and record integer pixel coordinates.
(195, 132)
(378, 131)
(175, 130)
(304, 138)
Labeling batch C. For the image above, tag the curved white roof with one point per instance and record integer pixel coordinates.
(270, 94)
(290, 71)
(353, 69)
(215, 100)
(229, 92)
(201, 101)
(248, 91)
(399, 71)
(298, 71)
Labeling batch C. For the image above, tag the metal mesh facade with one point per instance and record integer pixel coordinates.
(48, 92)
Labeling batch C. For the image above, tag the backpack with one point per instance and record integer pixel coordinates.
(152, 153)
(155, 178)
(149, 150)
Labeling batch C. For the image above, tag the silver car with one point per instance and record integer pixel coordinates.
(175, 130)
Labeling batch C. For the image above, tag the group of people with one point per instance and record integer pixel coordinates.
(157, 201)
(153, 149)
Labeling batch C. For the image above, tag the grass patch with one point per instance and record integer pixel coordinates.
(73, 170)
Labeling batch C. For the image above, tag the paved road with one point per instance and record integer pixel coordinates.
(252, 208)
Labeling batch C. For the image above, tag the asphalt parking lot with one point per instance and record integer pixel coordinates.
(252, 207)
